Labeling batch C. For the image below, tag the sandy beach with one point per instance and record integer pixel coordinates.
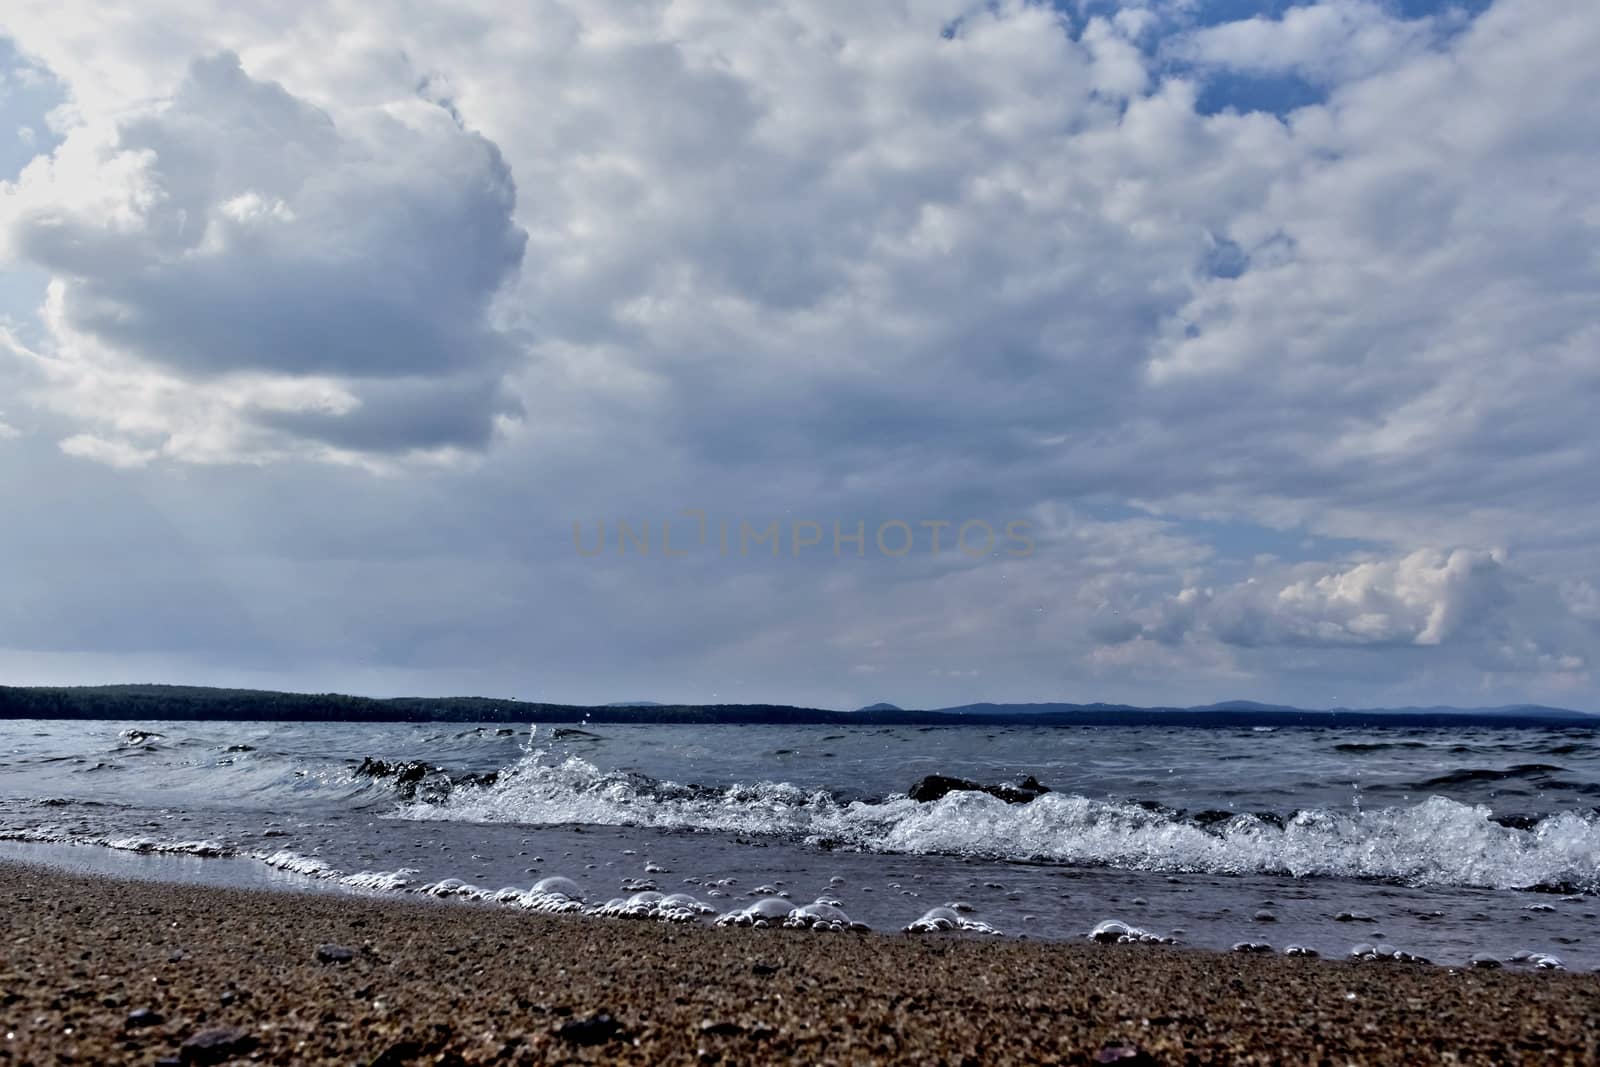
(111, 971)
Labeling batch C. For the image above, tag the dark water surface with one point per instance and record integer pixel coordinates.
(1441, 843)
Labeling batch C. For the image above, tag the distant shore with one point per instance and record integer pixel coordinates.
(153, 703)
(111, 971)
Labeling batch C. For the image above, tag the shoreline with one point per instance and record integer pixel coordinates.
(100, 969)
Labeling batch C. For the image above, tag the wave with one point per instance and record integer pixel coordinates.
(1377, 746)
(1465, 775)
(1436, 842)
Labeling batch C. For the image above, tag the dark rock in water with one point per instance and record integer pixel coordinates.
(572, 733)
(143, 1017)
(240, 748)
(594, 1030)
(935, 786)
(216, 1045)
(1516, 822)
(409, 776)
(399, 770)
(335, 954)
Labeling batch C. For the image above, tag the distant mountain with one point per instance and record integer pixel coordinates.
(634, 704)
(1527, 710)
(1253, 713)
(1244, 705)
(157, 702)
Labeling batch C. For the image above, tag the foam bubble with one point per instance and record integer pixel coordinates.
(768, 911)
(1117, 932)
(818, 917)
(678, 907)
(1252, 946)
(556, 884)
(938, 919)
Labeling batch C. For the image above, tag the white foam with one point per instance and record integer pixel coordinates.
(1117, 932)
(184, 848)
(295, 863)
(1435, 842)
(382, 881)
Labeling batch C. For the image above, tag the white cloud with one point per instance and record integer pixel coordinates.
(1327, 42)
(113, 453)
(297, 284)
(1470, 602)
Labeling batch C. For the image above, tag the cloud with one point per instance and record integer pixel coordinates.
(1328, 42)
(919, 260)
(113, 453)
(235, 243)
(1462, 600)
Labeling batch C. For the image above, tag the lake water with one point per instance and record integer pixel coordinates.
(1443, 843)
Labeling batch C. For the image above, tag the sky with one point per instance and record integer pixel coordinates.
(1154, 351)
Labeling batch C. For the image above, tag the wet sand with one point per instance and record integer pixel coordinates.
(108, 971)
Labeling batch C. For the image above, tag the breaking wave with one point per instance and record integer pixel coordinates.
(1437, 842)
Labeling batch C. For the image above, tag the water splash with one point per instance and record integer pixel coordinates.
(1435, 842)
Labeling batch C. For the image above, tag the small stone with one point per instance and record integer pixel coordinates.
(764, 970)
(334, 954)
(216, 1045)
(143, 1017)
(593, 1030)
(1125, 1055)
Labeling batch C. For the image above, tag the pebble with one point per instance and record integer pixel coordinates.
(215, 1045)
(592, 1030)
(334, 954)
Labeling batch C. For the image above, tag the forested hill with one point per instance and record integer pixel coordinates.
(173, 702)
